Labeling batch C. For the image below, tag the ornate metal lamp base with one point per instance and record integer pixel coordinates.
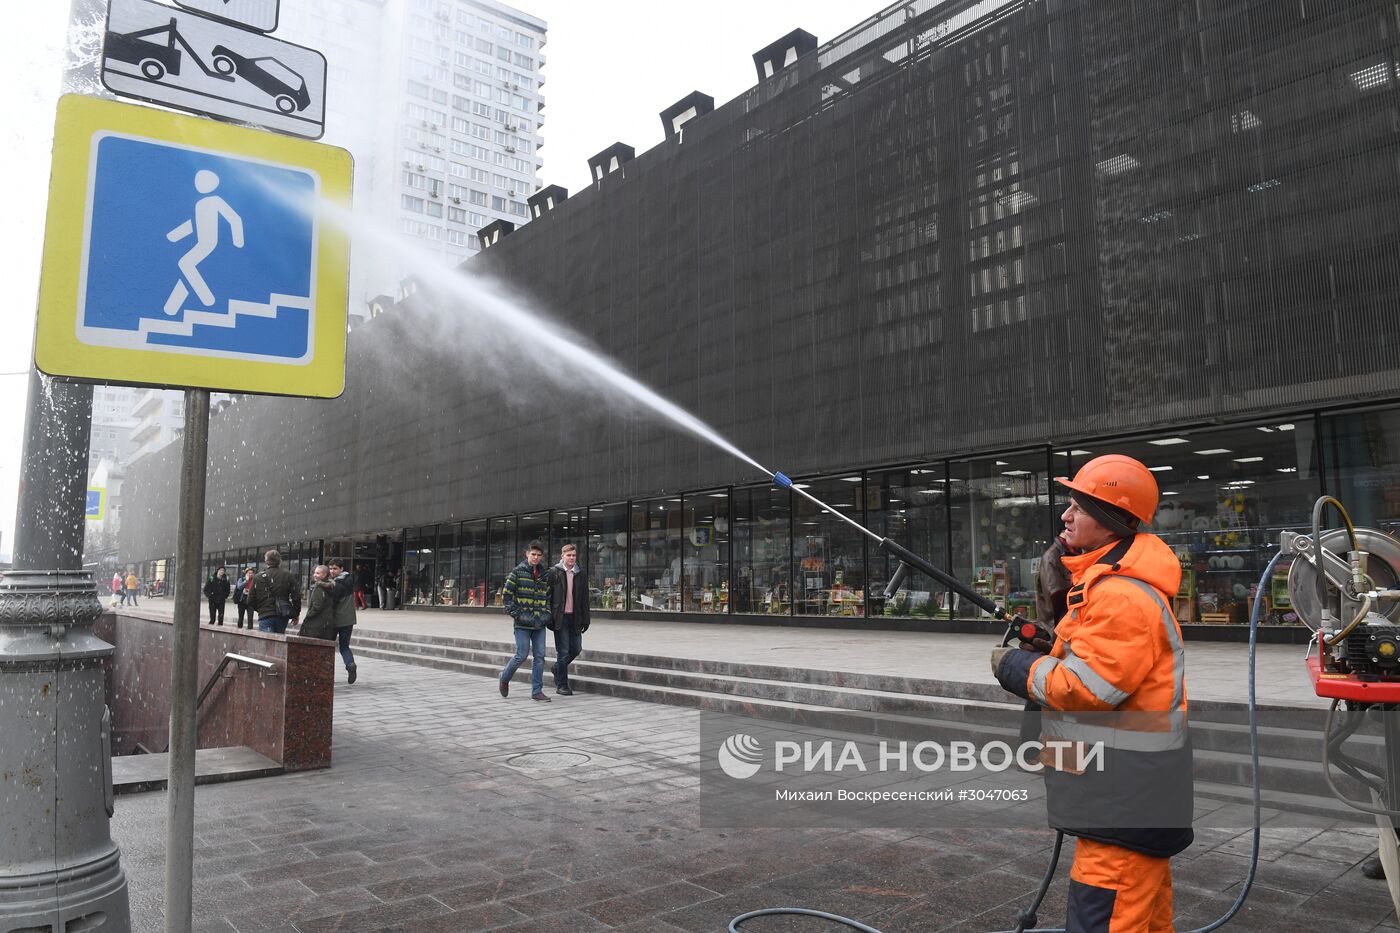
(59, 869)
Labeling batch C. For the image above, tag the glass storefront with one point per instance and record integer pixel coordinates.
(1362, 457)
(606, 559)
(911, 508)
(503, 555)
(656, 567)
(448, 589)
(828, 553)
(1226, 494)
(533, 527)
(418, 553)
(473, 549)
(999, 519)
(568, 526)
(705, 582)
(762, 536)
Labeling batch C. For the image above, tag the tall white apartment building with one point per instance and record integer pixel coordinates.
(440, 102)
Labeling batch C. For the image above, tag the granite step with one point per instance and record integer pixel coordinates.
(874, 692)
(843, 697)
(133, 774)
(1218, 759)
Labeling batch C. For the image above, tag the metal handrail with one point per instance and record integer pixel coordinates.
(269, 670)
(267, 666)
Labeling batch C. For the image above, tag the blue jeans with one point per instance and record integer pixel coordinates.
(343, 637)
(275, 624)
(568, 644)
(528, 641)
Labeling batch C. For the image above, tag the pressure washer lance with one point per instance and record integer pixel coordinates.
(1028, 633)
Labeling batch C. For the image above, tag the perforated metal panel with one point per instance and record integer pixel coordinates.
(991, 225)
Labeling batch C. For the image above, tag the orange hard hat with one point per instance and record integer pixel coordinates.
(1118, 481)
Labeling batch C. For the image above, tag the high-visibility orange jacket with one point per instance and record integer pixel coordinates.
(1118, 657)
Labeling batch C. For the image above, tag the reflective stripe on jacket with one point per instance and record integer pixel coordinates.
(1117, 676)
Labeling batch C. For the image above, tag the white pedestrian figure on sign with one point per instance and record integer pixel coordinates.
(205, 227)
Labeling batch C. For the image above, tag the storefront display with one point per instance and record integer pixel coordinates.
(1226, 495)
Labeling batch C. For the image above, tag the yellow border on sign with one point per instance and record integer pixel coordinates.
(101, 504)
(57, 349)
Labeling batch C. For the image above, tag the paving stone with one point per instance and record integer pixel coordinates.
(377, 917)
(629, 908)
(420, 825)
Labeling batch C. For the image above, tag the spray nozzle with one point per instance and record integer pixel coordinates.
(782, 480)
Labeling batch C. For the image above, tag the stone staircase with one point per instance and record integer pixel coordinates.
(907, 708)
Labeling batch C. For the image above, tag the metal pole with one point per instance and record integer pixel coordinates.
(59, 869)
(53, 475)
(49, 522)
(184, 667)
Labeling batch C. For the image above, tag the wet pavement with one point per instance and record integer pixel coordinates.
(430, 821)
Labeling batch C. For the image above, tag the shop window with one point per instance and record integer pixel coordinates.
(1363, 467)
(705, 565)
(1225, 496)
(418, 554)
(910, 507)
(656, 569)
(762, 542)
(473, 562)
(503, 556)
(533, 527)
(828, 553)
(606, 557)
(568, 526)
(448, 588)
(999, 515)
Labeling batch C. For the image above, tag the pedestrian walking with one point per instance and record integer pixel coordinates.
(118, 590)
(344, 615)
(240, 598)
(216, 590)
(526, 598)
(568, 605)
(1117, 651)
(319, 621)
(386, 580)
(132, 584)
(275, 595)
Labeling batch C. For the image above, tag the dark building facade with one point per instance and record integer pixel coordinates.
(925, 268)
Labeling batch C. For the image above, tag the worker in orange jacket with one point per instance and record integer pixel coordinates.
(1116, 679)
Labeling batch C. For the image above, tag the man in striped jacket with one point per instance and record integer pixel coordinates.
(526, 598)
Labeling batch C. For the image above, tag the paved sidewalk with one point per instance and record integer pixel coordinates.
(426, 823)
(1215, 670)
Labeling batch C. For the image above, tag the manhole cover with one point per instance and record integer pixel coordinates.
(548, 761)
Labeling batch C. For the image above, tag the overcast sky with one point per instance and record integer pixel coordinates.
(611, 67)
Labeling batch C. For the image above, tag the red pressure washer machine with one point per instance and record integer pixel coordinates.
(1347, 591)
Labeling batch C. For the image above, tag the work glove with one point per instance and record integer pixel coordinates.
(1012, 667)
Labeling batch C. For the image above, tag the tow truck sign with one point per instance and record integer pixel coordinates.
(157, 53)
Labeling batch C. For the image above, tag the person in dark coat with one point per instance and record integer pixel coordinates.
(216, 590)
(568, 605)
(344, 615)
(526, 598)
(240, 598)
(275, 595)
(319, 621)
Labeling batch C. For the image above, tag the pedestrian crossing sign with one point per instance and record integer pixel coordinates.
(184, 253)
(96, 504)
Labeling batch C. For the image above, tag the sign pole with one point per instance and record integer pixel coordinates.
(59, 868)
(184, 667)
